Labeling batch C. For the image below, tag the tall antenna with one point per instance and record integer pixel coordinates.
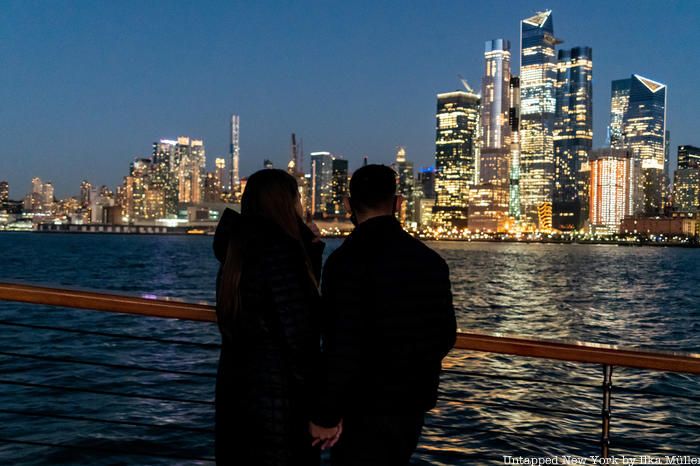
(293, 167)
(301, 156)
(235, 154)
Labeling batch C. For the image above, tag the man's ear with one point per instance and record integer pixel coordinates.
(346, 204)
(398, 201)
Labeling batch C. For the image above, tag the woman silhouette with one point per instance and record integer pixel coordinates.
(267, 309)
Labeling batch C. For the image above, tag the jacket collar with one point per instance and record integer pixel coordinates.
(376, 226)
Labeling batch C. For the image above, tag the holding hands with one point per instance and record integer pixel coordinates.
(325, 437)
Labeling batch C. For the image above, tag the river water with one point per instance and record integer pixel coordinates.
(491, 405)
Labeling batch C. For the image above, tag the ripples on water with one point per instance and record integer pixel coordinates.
(638, 297)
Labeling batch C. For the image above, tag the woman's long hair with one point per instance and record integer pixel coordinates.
(274, 195)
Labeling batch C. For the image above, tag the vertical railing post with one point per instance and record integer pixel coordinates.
(607, 393)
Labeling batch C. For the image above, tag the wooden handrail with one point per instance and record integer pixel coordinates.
(145, 306)
(529, 347)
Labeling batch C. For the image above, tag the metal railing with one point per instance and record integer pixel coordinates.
(607, 356)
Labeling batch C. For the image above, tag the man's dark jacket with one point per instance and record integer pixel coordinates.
(388, 321)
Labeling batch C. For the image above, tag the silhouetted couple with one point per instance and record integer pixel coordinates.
(355, 367)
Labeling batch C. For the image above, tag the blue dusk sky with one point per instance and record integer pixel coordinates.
(85, 87)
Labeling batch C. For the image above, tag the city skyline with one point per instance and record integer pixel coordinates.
(128, 94)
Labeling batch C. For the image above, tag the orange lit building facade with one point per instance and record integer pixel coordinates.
(613, 188)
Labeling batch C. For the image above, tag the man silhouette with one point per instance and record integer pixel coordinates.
(388, 323)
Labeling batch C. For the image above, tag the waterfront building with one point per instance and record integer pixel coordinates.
(688, 157)
(339, 186)
(573, 137)
(37, 185)
(619, 102)
(34, 201)
(495, 106)
(494, 163)
(190, 161)
(85, 187)
(235, 182)
(484, 209)
(687, 225)
(212, 188)
(47, 196)
(456, 156)
(425, 183)
(644, 133)
(405, 185)
(220, 173)
(686, 190)
(136, 188)
(613, 188)
(538, 74)
(4, 192)
(164, 174)
(321, 182)
(686, 182)
(514, 206)
(424, 211)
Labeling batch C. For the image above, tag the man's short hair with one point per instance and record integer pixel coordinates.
(373, 187)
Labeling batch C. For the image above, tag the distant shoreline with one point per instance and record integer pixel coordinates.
(451, 240)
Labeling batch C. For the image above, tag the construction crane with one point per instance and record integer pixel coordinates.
(465, 84)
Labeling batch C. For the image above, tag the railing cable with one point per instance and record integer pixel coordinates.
(101, 392)
(18, 412)
(120, 452)
(135, 367)
(112, 335)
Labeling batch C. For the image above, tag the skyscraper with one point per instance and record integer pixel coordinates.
(686, 182)
(644, 133)
(514, 205)
(495, 105)
(191, 161)
(220, 172)
(136, 187)
(619, 101)
(456, 152)
(426, 182)
(494, 163)
(537, 107)
(321, 182)
(406, 184)
(85, 187)
(688, 157)
(339, 186)
(212, 188)
(47, 195)
(235, 155)
(164, 174)
(614, 184)
(573, 137)
(4, 192)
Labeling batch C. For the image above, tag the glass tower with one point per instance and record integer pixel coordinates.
(339, 186)
(406, 185)
(619, 101)
(495, 104)
(538, 74)
(686, 183)
(4, 192)
(514, 123)
(573, 137)
(321, 182)
(456, 152)
(644, 133)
